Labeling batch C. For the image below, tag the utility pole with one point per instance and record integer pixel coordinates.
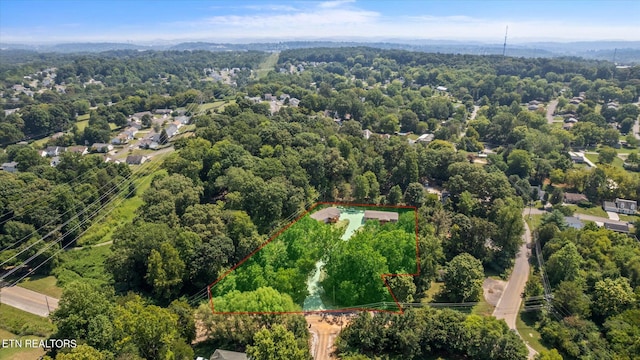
(504, 48)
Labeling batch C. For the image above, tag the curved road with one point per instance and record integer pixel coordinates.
(508, 306)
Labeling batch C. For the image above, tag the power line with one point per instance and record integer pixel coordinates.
(130, 178)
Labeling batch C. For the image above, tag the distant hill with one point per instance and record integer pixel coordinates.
(626, 52)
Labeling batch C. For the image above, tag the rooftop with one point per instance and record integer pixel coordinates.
(381, 215)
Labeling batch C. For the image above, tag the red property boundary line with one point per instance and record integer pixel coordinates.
(384, 277)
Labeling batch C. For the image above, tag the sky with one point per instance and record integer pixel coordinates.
(147, 21)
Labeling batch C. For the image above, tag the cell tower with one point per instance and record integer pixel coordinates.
(504, 48)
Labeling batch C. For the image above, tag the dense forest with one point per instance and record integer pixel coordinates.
(354, 136)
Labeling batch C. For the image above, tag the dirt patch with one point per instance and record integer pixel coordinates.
(492, 290)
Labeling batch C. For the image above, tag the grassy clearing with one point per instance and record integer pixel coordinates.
(267, 65)
(87, 265)
(82, 124)
(212, 105)
(123, 214)
(525, 323)
(16, 353)
(483, 308)
(434, 290)
(47, 285)
(533, 221)
(594, 210)
(617, 162)
(23, 323)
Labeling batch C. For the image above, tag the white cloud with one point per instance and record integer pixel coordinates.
(335, 20)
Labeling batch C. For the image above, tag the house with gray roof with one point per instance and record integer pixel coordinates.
(327, 215)
(228, 355)
(382, 216)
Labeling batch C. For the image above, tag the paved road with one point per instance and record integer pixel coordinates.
(27, 300)
(551, 109)
(508, 306)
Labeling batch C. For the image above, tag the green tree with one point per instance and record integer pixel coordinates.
(606, 155)
(85, 312)
(414, 195)
(564, 264)
(519, 163)
(165, 271)
(552, 354)
(463, 278)
(83, 352)
(612, 296)
(395, 195)
(276, 343)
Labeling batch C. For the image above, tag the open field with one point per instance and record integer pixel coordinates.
(268, 65)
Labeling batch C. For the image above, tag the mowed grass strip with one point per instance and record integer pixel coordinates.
(17, 353)
(45, 285)
(23, 323)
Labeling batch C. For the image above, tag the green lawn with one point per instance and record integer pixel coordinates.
(483, 308)
(433, 291)
(23, 323)
(594, 210)
(617, 162)
(82, 124)
(267, 65)
(629, 218)
(525, 323)
(16, 353)
(45, 285)
(212, 105)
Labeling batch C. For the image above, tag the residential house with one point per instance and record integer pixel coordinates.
(284, 96)
(162, 111)
(101, 147)
(120, 139)
(441, 88)
(574, 198)
(82, 150)
(366, 133)
(293, 102)
(621, 206)
(382, 216)
(139, 115)
(136, 159)
(571, 120)
(228, 355)
(532, 107)
(184, 120)
(617, 227)
(171, 130)
(269, 97)
(11, 167)
(51, 151)
(327, 215)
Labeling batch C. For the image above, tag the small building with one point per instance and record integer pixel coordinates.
(184, 120)
(136, 159)
(327, 215)
(441, 88)
(228, 355)
(621, 206)
(532, 107)
(425, 138)
(574, 198)
(162, 111)
(171, 130)
(617, 227)
(293, 102)
(382, 216)
(11, 167)
(366, 133)
(139, 115)
(571, 120)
